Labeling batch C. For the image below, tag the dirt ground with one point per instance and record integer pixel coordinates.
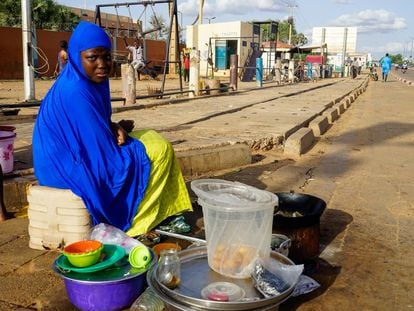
(362, 167)
(12, 91)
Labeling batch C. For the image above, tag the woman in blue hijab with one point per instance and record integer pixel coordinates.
(130, 181)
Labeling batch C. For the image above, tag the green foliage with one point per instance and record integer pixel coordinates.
(46, 14)
(297, 39)
(283, 31)
(157, 20)
(396, 59)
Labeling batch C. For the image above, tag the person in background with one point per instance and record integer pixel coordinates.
(359, 65)
(137, 56)
(385, 66)
(62, 58)
(186, 67)
(128, 179)
(354, 68)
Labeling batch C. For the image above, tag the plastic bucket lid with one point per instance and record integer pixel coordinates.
(232, 195)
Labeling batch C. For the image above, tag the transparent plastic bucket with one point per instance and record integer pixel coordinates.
(6, 150)
(238, 224)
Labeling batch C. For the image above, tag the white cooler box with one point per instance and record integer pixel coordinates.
(57, 217)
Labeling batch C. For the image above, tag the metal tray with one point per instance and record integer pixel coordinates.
(196, 274)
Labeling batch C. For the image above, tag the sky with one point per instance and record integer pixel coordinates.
(384, 26)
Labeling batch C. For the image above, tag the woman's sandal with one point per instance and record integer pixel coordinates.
(149, 238)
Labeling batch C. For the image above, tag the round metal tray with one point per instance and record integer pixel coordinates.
(196, 274)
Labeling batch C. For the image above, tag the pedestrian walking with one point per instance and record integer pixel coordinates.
(354, 68)
(385, 66)
(62, 58)
(186, 67)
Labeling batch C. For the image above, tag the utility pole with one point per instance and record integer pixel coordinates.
(200, 12)
(290, 20)
(28, 74)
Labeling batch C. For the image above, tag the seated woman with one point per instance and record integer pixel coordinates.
(130, 181)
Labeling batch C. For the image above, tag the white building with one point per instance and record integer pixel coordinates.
(341, 44)
(338, 39)
(218, 41)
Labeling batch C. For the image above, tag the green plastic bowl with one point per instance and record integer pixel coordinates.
(83, 253)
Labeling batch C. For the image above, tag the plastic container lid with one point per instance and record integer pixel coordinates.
(222, 291)
(229, 194)
(140, 257)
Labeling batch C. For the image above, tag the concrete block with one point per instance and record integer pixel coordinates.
(332, 115)
(347, 103)
(56, 217)
(340, 107)
(194, 162)
(319, 125)
(299, 142)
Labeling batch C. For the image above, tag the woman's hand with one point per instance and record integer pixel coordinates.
(120, 134)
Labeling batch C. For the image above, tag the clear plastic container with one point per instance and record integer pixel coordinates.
(169, 268)
(238, 224)
(148, 301)
(222, 291)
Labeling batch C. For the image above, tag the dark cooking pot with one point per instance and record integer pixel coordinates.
(298, 217)
(297, 210)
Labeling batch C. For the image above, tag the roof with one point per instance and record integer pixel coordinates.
(277, 44)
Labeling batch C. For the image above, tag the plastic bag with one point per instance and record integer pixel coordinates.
(271, 277)
(305, 285)
(108, 234)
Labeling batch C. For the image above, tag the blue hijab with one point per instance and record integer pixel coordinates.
(74, 147)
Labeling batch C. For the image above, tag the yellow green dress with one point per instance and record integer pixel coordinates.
(166, 194)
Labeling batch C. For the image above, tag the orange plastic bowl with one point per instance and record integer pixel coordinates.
(161, 246)
(83, 253)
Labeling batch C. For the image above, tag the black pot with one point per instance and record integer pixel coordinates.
(297, 210)
(298, 217)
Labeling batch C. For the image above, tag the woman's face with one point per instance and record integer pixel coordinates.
(97, 63)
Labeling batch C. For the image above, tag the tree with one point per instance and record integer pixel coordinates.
(299, 39)
(10, 13)
(46, 15)
(156, 21)
(283, 31)
(396, 59)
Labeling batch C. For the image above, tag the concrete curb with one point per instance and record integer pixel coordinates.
(194, 162)
(302, 140)
(319, 125)
(299, 142)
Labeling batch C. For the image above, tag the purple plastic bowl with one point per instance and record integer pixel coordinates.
(102, 296)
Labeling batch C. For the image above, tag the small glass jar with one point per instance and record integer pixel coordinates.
(169, 270)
